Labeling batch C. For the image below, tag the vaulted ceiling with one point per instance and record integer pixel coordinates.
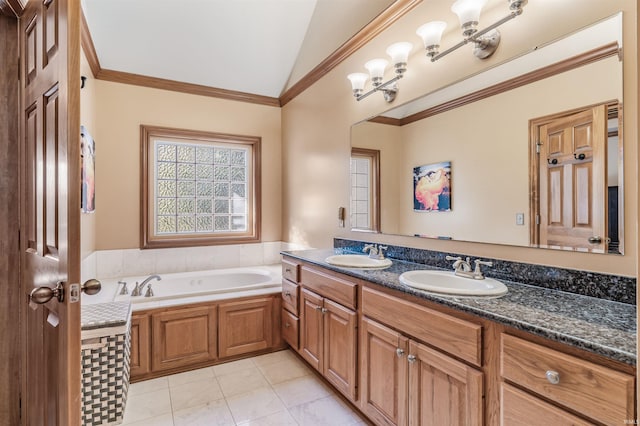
(255, 47)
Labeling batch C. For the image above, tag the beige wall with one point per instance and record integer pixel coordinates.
(87, 119)
(121, 109)
(316, 128)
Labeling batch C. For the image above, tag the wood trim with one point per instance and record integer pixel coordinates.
(11, 8)
(394, 12)
(531, 77)
(88, 47)
(190, 88)
(252, 235)
(374, 156)
(386, 120)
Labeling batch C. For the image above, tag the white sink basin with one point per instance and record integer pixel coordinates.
(448, 283)
(357, 261)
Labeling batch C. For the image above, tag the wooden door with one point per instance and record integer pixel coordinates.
(383, 374)
(182, 337)
(49, 33)
(442, 391)
(340, 347)
(573, 181)
(311, 329)
(245, 326)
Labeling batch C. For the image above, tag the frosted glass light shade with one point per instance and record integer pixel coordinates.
(431, 32)
(358, 79)
(468, 12)
(376, 69)
(399, 52)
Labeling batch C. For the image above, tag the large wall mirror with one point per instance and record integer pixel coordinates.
(527, 153)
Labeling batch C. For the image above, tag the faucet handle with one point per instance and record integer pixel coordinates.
(380, 253)
(136, 290)
(149, 292)
(124, 290)
(477, 272)
(453, 257)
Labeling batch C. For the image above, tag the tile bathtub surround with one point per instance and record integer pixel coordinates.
(128, 262)
(602, 286)
(273, 389)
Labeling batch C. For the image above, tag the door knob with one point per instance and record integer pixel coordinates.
(91, 286)
(41, 295)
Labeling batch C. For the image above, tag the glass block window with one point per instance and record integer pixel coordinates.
(199, 188)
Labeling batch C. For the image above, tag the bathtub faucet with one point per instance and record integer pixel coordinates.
(137, 290)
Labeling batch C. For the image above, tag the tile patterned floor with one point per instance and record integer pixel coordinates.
(274, 389)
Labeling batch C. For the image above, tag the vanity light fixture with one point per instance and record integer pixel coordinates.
(399, 53)
(486, 40)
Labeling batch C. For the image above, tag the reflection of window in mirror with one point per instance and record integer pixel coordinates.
(365, 189)
(577, 179)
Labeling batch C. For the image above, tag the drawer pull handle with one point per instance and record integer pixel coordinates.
(553, 377)
(287, 293)
(411, 358)
(399, 352)
(287, 270)
(287, 325)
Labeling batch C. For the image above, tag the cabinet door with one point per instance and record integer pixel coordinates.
(140, 363)
(442, 391)
(245, 326)
(311, 340)
(383, 373)
(340, 347)
(183, 337)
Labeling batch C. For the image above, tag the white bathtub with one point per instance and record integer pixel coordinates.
(192, 287)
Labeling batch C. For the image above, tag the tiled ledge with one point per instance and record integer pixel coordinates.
(603, 286)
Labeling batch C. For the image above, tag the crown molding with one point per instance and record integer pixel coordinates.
(177, 86)
(390, 15)
(568, 64)
(394, 12)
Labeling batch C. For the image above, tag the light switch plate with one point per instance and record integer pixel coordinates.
(519, 218)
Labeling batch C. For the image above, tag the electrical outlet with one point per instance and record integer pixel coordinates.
(519, 218)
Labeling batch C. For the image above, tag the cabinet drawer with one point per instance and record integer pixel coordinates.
(290, 271)
(598, 392)
(517, 408)
(337, 289)
(290, 294)
(460, 338)
(290, 325)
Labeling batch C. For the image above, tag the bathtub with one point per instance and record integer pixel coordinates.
(191, 287)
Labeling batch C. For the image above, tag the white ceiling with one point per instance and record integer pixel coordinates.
(260, 47)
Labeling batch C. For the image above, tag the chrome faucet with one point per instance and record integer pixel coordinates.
(137, 290)
(375, 251)
(124, 290)
(462, 268)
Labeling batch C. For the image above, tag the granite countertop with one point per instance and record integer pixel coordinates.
(600, 326)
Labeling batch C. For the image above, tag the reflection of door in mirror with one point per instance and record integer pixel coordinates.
(365, 189)
(571, 155)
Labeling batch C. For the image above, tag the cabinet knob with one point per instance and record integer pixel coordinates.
(553, 377)
(399, 352)
(411, 358)
(324, 310)
(287, 325)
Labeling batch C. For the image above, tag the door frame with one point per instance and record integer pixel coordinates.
(614, 109)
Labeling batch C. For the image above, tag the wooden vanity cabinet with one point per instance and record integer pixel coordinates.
(328, 340)
(405, 382)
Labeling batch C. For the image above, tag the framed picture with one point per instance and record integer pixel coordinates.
(88, 183)
(432, 187)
